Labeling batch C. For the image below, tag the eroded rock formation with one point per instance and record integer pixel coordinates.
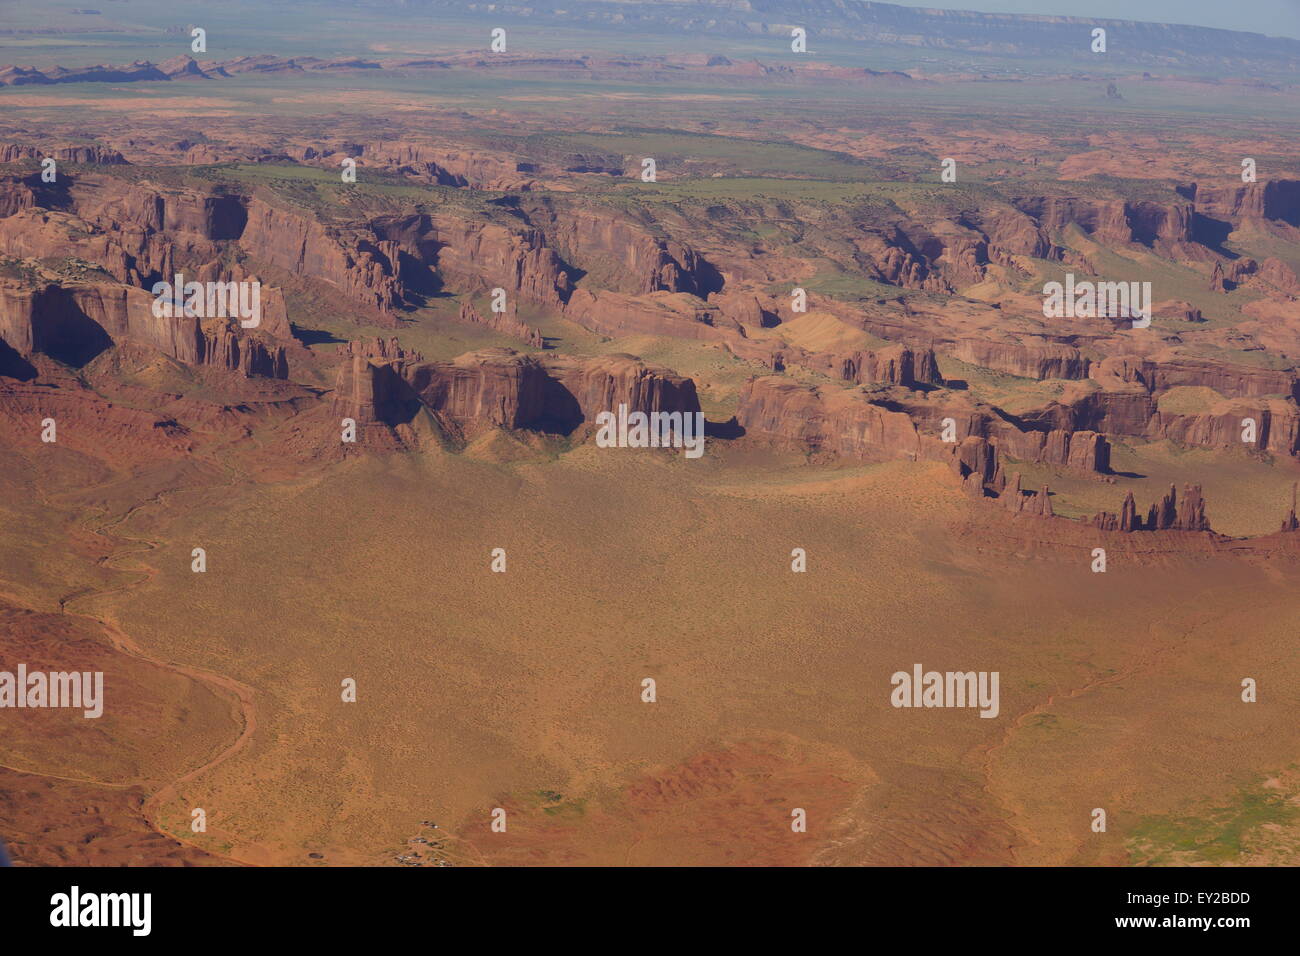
(379, 384)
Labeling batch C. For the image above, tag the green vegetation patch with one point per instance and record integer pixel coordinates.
(1220, 835)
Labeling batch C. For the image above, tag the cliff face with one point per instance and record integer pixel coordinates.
(1232, 381)
(622, 253)
(838, 421)
(139, 233)
(476, 257)
(844, 422)
(1250, 204)
(75, 323)
(1114, 222)
(480, 169)
(955, 251)
(893, 365)
(663, 313)
(507, 323)
(500, 388)
(96, 155)
(490, 388)
(1086, 451)
(1128, 403)
(849, 423)
(1028, 361)
(362, 269)
(606, 382)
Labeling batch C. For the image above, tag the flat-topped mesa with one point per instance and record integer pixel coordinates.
(1037, 441)
(75, 322)
(449, 166)
(381, 349)
(892, 365)
(501, 388)
(1048, 360)
(1229, 380)
(1166, 226)
(913, 367)
(489, 388)
(621, 253)
(507, 323)
(1165, 515)
(1085, 450)
(138, 231)
(372, 393)
(90, 155)
(1126, 397)
(852, 423)
(674, 314)
(845, 422)
(603, 383)
(350, 259)
(1276, 201)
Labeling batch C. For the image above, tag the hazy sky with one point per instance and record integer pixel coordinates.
(1273, 17)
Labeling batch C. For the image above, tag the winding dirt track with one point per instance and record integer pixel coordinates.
(243, 706)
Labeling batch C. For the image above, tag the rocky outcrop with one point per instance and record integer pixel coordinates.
(1028, 361)
(1168, 514)
(747, 310)
(95, 155)
(608, 381)
(129, 73)
(490, 388)
(1167, 226)
(1250, 204)
(615, 314)
(619, 253)
(501, 388)
(222, 346)
(350, 259)
(914, 256)
(77, 322)
(1280, 276)
(507, 323)
(447, 165)
(840, 421)
(1086, 451)
(892, 365)
(1058, 443)
(846, 423)
(1291, 522)
(372, 392)
(475, 256)
(902, 365)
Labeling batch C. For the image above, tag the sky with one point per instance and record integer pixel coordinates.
(1271, 17)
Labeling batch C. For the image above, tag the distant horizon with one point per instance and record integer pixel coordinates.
(1278, 18)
